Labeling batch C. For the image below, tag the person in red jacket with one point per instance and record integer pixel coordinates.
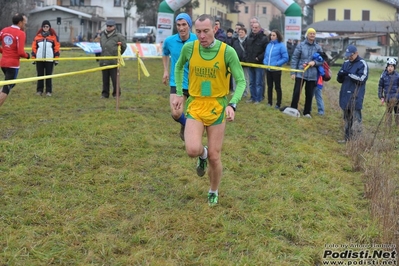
(12, 47)
(45, 45)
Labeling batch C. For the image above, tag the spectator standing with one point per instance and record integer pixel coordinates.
(388, 91)
(12, 40)
(109, 47)
(290, 49)
(353, 75)
(171, 50)
(255, 48)
(275, 55)
(239, 45)
(220, 34)
(301, 58)
(208, 107)
(45, 45)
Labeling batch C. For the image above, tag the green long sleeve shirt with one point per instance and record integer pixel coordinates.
(230, 58)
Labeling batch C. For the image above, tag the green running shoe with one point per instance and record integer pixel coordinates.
(212, 199)
(201, 165)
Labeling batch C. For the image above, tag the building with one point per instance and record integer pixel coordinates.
(224, 10)
(81, 19)
(262, 9)
(353, 10)
(370, 25)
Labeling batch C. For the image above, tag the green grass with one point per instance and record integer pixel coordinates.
(84, 184)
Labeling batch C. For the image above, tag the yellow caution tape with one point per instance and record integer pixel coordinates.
(272, 67)
(16, 81)
(120, 58)
(145, 71)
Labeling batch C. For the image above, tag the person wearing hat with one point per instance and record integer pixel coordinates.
(353, 76)
(109, 40)
(46, 46)
(301, 58)
(388, 91)
(171, 49)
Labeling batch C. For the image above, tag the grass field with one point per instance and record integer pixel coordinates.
(84, 184)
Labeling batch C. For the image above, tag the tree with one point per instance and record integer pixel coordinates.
(7, 9)
(127, 6)
(277, 23)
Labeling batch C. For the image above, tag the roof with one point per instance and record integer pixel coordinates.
(355, 26)
(61, 8)
(394, 3)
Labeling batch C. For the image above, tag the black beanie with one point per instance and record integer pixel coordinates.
(46, 22)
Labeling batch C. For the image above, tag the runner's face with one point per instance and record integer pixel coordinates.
(205, 32)
(183, 29)
(23, 23)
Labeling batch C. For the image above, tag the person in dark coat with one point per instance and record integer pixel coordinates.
(239, 45)
(220, 34)
(255, 47)
(353, 76)
(388, 91)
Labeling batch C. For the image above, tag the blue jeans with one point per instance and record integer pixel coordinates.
(319, 101)
(256, 83)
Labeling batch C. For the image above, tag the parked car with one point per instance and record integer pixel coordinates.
(145, 34)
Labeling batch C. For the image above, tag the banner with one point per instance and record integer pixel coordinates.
(144, 49)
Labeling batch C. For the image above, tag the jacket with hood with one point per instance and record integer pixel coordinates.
(275, 54)
(353, 85)
(302, 55)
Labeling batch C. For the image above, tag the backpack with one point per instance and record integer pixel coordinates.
(327, 71)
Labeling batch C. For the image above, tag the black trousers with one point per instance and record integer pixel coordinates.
(44, 69)
(107, 75)
(9, 74)
(309, 87)
(273, 77)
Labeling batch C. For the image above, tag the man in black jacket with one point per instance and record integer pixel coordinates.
(255, 47)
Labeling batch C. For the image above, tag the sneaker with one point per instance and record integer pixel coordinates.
(269, 105)
(249, 101)
(342, 141)
(212, 199)
(201, 165)
(256, 102)
(39, 93)
(277, 106)
(182, 132)
(48, 94)
(308, 116)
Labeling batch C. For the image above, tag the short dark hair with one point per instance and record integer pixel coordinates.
(17, 18)
(230, 30)
(244, 29)
(204, 17)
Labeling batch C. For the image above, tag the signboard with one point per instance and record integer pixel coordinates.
(293, 28)
(164, 26)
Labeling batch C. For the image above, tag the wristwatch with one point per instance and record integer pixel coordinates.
(233, 105)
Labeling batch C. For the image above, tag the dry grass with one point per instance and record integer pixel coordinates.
(82, 184)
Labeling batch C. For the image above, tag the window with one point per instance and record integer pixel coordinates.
(246, 10)
(77, 2)
(347, 14)
(264, 10)
(118, 27)
(366, 15)
(331, 14)
(117, 3)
